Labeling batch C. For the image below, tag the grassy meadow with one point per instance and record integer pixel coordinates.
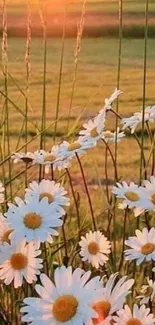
(101, 18)
(96, 79)
(97, 75)
(104, 6)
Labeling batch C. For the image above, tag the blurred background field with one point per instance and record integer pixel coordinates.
(115, 49)
(97, 75)
(101, 18)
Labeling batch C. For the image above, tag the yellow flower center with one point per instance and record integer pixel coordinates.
(132, 196)
(65, 308)
(48, 195)
(5, 237)
(148, 248)
(94, 133)
(49, 158)
(18, 261)
(73, 146)
(33, 220)
(108, 134)
(153, 198)
(93, 248)
(133, 321)
(103, 309)
(148, 292)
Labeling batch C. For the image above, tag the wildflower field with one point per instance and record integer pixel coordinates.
(77, 163)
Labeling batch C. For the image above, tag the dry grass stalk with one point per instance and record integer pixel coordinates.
(28, 43)
(80, 33)
(4, 38)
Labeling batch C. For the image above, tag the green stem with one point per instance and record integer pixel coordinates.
(144, 90)
(60, 70)
(44, 26)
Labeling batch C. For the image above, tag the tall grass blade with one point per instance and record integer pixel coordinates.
(43, 16)
(5, 72)
(27, 65)
(144, 88)
(61, 67)
(76, 55)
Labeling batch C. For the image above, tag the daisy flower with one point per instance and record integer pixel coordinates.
(132, 194)
(149, 115)
(5, 230)
(133, 121)
(94, 248)
(50, 189)
(137, 211)
(110, 100)
(147, 292)
(51, 158)
(69, 150)
(18, 261)
(1, 192)
(93, 130)
(111, 300)
(142, 246)
(108, 103)
(66, 301)
(25, 157)
(35, 220)
(149, 192)
(149, 186)
(112, 136)
(139, 316)
(130, 122)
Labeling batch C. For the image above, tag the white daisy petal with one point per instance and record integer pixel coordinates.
(140, 315)
(142, 246)
(95, 248)
(16, 261)
(34, 220)
(111, 299)
(64, 302)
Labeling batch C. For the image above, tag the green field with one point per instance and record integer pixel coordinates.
(96, 79)
(105, 6)
(101, 18)
(26, 101)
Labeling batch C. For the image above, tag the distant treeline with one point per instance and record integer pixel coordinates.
(89, 31)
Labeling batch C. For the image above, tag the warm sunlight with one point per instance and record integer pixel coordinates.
(77, 162)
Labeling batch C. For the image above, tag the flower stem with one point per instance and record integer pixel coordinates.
(113, 159)
(106, 173)
(75, 200)
(87, 192)
(123, 243)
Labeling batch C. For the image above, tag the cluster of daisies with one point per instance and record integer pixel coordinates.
(139, 198)
(74, 296)
(134, 121)
(34, 220)
(60, 156)
(26, 224)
